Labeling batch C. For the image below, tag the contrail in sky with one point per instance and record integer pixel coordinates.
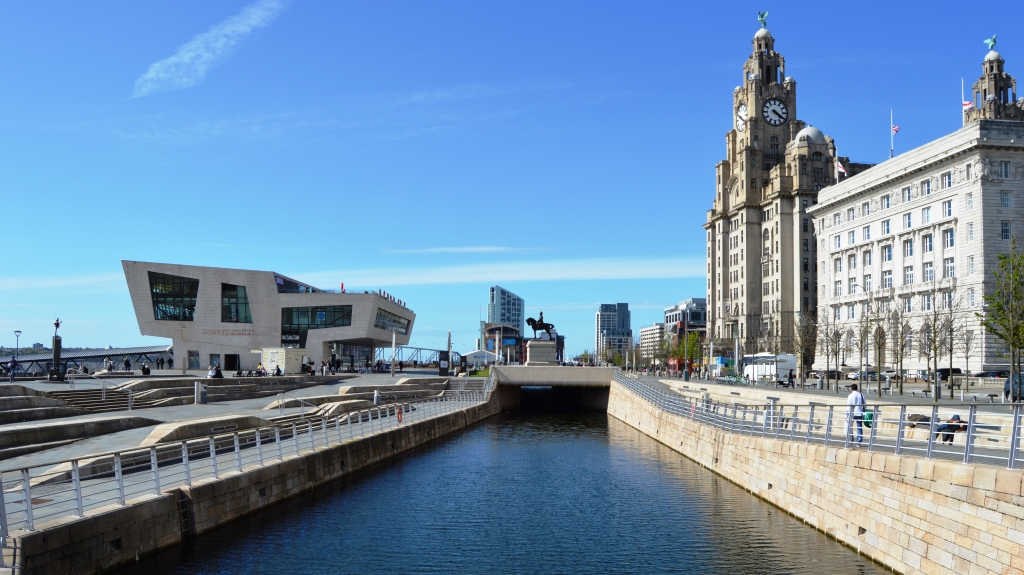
(201, 54)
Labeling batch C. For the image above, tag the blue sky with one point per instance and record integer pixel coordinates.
(564, 150)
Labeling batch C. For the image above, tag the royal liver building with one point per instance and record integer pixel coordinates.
(761, 251)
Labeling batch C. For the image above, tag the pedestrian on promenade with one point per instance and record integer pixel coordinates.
(127, 364)
(170, 363)
(791, 378)
(855, 413)
(949, 428)
(12, 368)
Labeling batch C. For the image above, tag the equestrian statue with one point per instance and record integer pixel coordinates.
(538, 324)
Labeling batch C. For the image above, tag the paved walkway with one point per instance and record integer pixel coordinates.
(133, 437)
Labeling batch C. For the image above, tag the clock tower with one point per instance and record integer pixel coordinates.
(760, 241)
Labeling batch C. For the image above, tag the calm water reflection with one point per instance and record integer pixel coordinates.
(521, 493)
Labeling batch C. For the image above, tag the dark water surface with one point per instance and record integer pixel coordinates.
(520, 493)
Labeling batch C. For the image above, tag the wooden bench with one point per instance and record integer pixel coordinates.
(926, 392)
(956, 385)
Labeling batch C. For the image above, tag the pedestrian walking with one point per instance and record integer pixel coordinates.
(12, 368)
(855, 414)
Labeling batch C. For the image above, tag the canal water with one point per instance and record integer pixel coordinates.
(520, 493)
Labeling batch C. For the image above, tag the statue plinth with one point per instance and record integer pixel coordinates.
(541, 353)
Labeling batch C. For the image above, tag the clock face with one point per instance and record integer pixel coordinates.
(775, 112)
(741, 117)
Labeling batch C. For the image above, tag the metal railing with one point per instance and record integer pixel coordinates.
(45, 492)
(989, 434)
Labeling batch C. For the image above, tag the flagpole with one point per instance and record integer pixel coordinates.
(891, 134)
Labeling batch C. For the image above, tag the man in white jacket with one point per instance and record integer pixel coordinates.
(855, 413)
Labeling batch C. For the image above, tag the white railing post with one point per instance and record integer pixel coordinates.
(1011, 459)
(26, 487)
(259, 445)
(828, 426)
(295, 438)
(337, 428)
(931, 430)
(119, 478)
(213, 456)
(155, 469)
(351, 434)
(969, 440)
(810, 425)
(899, 430)
(4, 527)
(185, 460)
(323, 427)
(76, 482)
(874, 427)
(277, 440)
(309, 429)
(238, 453)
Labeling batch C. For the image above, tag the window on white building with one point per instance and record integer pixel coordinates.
(926, 187)
(1004, 230)
(886, 253)
(865, 209)
(908, 248)
(867, 258)
(838, 288)
(926, 242)
(906, 194)
(970, 297)
(837, 265)
(926, 215)
(865, 233)
(886, 201)
(970, 198)
(851, 214)
(950, 267)
(970, 265)
(887, 279)
(853, 311)
(926, 302)
(1004, 169)
(908, 275)
(1005, 200)
(946, 180)
(838, 241)
(970, 232)
(867, 283)
(948, 238)
(852, 237)
(835, 219)
(908, 221)
(947, 208)
(852, 260)
(929, 272)
(908, 305)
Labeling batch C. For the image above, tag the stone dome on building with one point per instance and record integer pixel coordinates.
(810, 134)
(993, 55)
(788, 80)
(763, 33)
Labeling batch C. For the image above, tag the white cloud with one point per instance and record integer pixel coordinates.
(547, 270)
(462, 250)
(37, 282)
(201, 54)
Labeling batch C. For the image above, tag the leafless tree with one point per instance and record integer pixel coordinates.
(805, 335)
(828, 341)
(900, 338)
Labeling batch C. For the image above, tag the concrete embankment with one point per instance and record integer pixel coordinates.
(114, 536)
(911, 514)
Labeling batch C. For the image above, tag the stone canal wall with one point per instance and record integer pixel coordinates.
(114, 537)
(911, 514)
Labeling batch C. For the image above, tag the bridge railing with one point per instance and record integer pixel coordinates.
(971, 433)
(40, 493)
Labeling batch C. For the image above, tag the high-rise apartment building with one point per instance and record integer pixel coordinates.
(906, 250)
(613, 333)
(505, 307)
(760, 238)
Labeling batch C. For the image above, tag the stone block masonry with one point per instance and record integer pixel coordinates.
(910, 514)
(113, 537)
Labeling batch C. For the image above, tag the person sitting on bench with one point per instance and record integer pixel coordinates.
(949, 428)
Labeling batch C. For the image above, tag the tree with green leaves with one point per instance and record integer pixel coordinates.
(1004, 307)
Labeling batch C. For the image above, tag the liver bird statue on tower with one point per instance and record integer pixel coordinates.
(991, 42)
(762, 17)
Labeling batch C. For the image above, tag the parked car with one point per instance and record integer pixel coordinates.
(1018, 391)
(944, 373)
(891, 374)
(999, 374)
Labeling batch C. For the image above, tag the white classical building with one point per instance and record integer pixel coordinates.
(221, 315)
(920, 235)
(650, 340)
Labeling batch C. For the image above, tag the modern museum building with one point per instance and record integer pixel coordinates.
(228, 316)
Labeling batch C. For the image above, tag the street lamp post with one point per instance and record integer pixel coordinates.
(17, 344)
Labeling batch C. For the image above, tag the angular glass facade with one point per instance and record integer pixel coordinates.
(174, 297)
(297, 321)
(391, 322)
(234, 304)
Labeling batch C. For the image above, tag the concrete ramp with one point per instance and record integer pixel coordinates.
(554, 376)
(343, 407)
(182, 430)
